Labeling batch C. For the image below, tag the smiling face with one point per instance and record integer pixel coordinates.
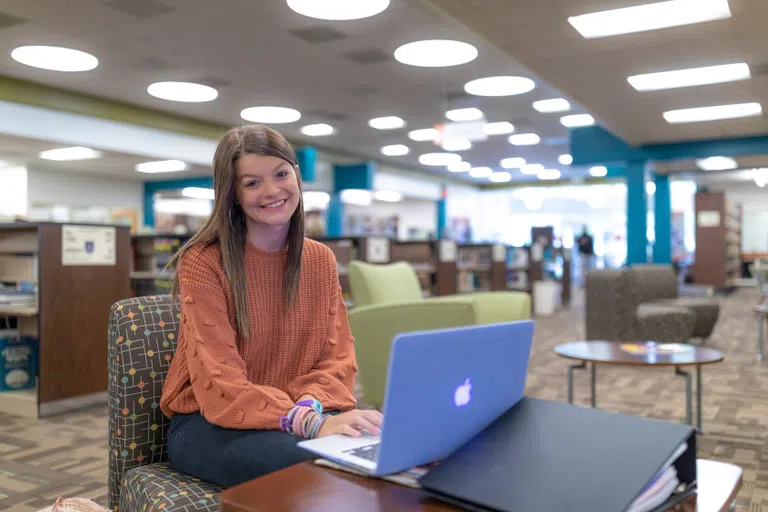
(267, 189)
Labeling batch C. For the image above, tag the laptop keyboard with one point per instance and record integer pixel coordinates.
(369, 452)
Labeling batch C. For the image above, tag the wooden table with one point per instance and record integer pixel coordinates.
(643, 353)
(307, 487)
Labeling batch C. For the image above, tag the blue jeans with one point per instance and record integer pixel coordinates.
(228, 457)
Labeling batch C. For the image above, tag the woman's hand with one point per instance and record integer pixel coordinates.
(350, 423)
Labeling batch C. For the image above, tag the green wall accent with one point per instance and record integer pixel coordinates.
(38, 95)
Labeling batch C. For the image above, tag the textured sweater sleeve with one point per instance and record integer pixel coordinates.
(217, 371)
(332, 379)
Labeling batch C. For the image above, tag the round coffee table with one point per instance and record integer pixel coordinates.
(642, 354)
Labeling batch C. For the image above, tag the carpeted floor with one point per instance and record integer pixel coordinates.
(67, 456)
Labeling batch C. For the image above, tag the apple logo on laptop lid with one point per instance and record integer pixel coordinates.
(462, 396)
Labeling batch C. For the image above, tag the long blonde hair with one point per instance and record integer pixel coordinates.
(226, 225)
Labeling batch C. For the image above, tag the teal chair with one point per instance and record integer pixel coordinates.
(388, 300)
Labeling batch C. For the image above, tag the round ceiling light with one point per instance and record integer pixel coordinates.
(338, 10)
(395, 150)
(186, 92)
(439, 159)
(318, 130)
(436, 53)
(499, 86)
(270, 115)
(55, 58)
(386, 123)
(460, 167)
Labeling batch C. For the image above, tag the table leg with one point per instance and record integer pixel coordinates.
(761, 337)
(594, 385)
(580, 366)
(688, 395)
(698, 398)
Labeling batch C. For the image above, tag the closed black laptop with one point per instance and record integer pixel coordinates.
(544, 456)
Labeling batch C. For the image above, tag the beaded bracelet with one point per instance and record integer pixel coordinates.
(302, 421)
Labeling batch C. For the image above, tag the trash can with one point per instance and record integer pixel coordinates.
(546, 297)
(18, 358)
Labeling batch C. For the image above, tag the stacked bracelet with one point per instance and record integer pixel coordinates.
(303, 421)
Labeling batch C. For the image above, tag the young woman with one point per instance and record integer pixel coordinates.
(264, 348)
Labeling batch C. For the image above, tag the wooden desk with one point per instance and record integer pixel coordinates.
(311, 488)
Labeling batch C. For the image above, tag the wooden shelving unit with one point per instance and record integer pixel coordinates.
(71, 318)
(149, 255)
(717, 261)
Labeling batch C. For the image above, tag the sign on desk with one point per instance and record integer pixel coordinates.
(88, 245)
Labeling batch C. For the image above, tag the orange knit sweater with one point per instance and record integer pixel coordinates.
(248, 383)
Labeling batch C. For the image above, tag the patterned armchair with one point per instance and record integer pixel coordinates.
(614, 311)
(657, 285)
(142, 342)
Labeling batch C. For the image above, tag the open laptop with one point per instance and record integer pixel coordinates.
(443, 387)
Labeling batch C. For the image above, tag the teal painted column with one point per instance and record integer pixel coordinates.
(307, 159)
(335, 216)
(346, 177)
(637, 213)
(662, 208)
(442, 214)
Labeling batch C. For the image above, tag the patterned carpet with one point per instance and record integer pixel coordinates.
(67, 456)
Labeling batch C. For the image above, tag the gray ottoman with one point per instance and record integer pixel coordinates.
(704, 309)
(665, 324)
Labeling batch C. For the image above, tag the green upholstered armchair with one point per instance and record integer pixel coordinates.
(388, 300)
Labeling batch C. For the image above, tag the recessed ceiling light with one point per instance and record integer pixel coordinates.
(459, 167)
(598, 171)
(456, 144)
(499, 128)
(356, 197)
(690, 77)
(500, 177)
(395, 150)
(270, 115)
(524, 139)
(548, 174)
(577, 120)
(553, 105)
(186, 92)
(424, 134)
(198, 193)
(464, 114)
(695, 115)
(439, 158)
(565, 159)
(760, 176)
(435, 53)
(532, 169)
(318, 130)
(388, 196)
(315, 199)
(55, 58)
(499, 86)
(386, 123)
(338, 10)
(514, 162)
(73, 153)
(480, 172)
(161, 166)
(717, 163)
(640, 18)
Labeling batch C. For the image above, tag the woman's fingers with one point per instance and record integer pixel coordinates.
(374, 417)
(349, 431)
(362, 423)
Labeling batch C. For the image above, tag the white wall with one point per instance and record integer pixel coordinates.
(13, 191)
(49, 188)
(754, 203)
